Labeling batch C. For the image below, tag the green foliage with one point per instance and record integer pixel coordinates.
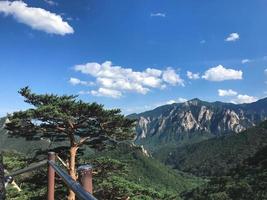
(127, 171)
(32, 186)
(218, 155)
(245, 182)
(13, 161)
(117, 187)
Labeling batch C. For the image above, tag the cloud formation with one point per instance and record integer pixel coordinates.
(122, 79)
(239, 98)
(37, 18)
(244, 99)
(193, 76)
(51, 3)
(158, 14)
(229, 92)
(245, 61)
(105, 92)
(221, 73)
(76, 81)
(232, 37)
(179, 100)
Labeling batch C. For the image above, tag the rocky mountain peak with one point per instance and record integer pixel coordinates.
(196, 117)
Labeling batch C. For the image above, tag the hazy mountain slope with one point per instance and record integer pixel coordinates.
(22, 145)
(18, 143)
(218, 155)
(196, 120)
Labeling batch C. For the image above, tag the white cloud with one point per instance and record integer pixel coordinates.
(265, 71)
(126, 79)
(36, 18)
(76, 81)
(245, 61)
(179, 100)
(193, 76)
(170, 76)
(158, 14)
(51, 3)
(202, 41)
(105, 92)
(232, 37)
(244, 99)
(229, 92)
(171, 101)
(220, 73)
(151, 106)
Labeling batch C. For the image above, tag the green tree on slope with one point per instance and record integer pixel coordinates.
(65, 117)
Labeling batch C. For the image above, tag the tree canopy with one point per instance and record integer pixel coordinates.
(65, 117)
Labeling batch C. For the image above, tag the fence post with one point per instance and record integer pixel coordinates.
(85, 173)
(51, 177)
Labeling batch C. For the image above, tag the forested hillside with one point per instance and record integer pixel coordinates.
(246, 182)
(218, 155)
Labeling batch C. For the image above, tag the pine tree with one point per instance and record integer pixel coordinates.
(67, 118)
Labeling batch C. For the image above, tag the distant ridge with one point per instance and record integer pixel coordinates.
(195, 120)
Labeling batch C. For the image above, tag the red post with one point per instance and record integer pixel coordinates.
(85, 173)
(51, 177)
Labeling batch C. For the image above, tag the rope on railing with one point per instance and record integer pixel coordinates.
(62, 162)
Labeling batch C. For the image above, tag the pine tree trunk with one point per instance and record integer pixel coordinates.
(72, 170)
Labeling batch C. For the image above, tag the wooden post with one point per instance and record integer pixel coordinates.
(85, 173)
(51, 177)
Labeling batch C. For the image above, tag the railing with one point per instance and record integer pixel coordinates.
(83, 191)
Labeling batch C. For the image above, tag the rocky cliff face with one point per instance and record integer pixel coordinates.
(195, 117)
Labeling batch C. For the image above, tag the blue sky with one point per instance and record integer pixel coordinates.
(133, 55)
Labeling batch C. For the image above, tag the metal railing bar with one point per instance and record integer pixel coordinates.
(73, 185)
(27, 169)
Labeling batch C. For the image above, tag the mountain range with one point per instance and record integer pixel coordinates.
(195, 120)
